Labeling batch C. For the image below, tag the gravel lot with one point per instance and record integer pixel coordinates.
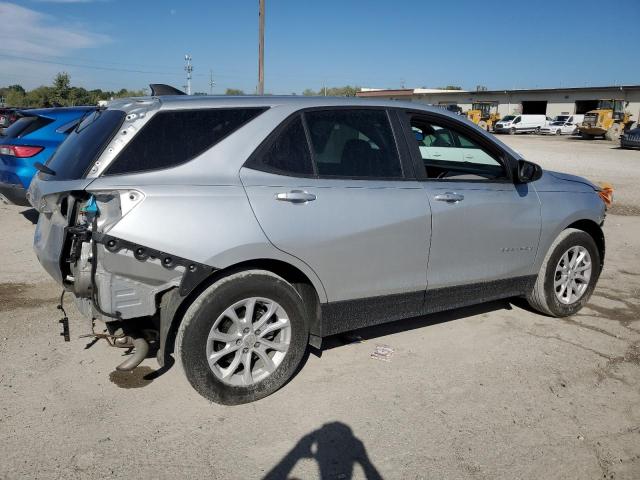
(493, 391)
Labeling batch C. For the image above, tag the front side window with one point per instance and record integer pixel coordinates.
(353, 143)
(174, 137)
(449, 154)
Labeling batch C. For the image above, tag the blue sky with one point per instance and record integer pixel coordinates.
(111, 44)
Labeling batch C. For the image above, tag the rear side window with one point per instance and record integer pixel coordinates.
(353, 143)
(171, 138)
(26, 125)
(84, 144)
(287, 153)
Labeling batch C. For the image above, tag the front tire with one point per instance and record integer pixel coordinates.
(243, 338)
(512, 131)
(567, 276)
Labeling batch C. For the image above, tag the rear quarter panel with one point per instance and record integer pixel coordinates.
(210, 224)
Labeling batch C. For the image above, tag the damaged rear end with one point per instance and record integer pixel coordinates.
(111, 279)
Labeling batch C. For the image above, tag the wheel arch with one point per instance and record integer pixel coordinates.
(593, 229)
(173, 306)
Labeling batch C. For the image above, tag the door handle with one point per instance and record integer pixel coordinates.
(449, 197)
(296, 196)
(436, 155)
(468, 156)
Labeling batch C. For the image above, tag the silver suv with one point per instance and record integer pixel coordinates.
(234, 232)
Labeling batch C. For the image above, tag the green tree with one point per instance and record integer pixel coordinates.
(450, 87)
(61, 89)
(346, 91)
(234, 91)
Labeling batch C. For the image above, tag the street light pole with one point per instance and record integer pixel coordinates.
(261, 49)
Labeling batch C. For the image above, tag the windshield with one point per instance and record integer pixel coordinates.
(84, 144)
(508, 118)
(557, 123)
(561, 118)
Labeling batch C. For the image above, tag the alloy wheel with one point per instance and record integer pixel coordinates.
(572, 275)
(248, 341)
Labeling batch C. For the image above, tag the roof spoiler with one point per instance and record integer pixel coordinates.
(160, 89)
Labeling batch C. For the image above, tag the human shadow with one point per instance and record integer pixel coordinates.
(336, 450)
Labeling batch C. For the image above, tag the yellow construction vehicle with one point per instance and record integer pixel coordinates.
(484, 114)
(609, 120)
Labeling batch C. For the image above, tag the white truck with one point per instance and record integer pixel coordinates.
(513, 124)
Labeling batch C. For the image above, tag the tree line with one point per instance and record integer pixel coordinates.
(60, 94)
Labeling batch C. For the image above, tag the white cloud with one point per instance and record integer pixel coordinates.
(28, 32)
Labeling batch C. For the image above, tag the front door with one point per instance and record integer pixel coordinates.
(343, 205)
(484, 227)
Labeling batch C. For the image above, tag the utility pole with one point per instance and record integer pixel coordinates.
(211, 82)
(261, 48)
(188, 68)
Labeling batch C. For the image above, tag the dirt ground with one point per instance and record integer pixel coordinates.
(492, 391)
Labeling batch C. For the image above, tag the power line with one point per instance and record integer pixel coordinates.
(94, 67)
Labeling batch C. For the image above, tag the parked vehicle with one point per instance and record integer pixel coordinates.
(513, 124)
(630, 139)
(484, 114)
(33, 137)
(563, 125)
(7, 117)
(233, 232)
(609, 120)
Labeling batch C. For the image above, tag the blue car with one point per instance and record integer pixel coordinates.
(32, 138)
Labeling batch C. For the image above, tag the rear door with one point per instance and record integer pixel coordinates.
(331, 187)
(484, 227)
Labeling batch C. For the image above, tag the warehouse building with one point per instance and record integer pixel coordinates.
(548, 101)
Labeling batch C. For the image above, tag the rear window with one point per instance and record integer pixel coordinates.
(26, 125)
(172, 138)
(84, 144)
(287, 152)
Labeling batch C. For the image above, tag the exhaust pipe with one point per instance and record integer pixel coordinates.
(140, 351)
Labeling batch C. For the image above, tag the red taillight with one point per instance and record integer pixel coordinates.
(20, 151)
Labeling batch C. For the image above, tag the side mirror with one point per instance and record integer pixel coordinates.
(528, 172)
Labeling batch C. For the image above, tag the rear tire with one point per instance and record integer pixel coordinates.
(547, 293)
(219, 320)
(537, 131)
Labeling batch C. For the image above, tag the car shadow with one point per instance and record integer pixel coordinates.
(30, 214)
(335, 449)
(398, 326)
(146, 375)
